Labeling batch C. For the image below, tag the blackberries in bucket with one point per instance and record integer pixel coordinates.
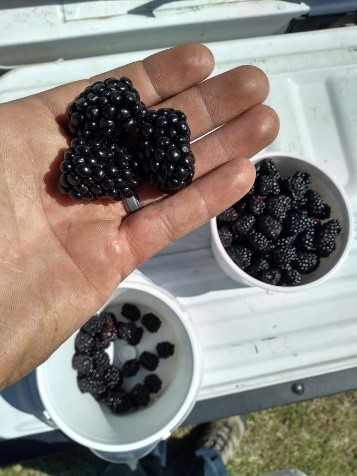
(277, 233)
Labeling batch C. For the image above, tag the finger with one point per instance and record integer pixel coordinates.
(157, 77)
(161, 223)
(243, 137)
(220, 99)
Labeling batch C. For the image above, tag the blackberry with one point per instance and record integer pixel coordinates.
(118, 401)
(306, 262)
(266, 184)
(109, 108)
(315, 205)
(257, 267)
(100, 169)
(93, 325)
(126, 330)
(240, 255)
(166, 152)
(84, 343)
(153, 383)
(101, 360)
(298, 204)
(92, 382)
(271, 276)
(284, 255)
(269, 226)
(291, 277)
(109, 332)
(332, 227)
(151, 322)
(256, 204)
(243, 225)
(229, 215)
(257, 240)
(278, 206)
(325, 242)
(226, 236)
(113, 377)
(140, 395)
(82, 363)
(298, 184)
(130, 368)
(165, 349)
(268, 167)
(149, 360)
(306, 240)
(131, 312)
(136, 336)
(241, 207)
(295, 223)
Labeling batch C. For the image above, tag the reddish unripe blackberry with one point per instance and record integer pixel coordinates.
(166, 154)
(109, 332)
(153, 383)
(240, 255)
(165, 349)
(140, 395)
(149, 360)
(109, 108)
(130, 368)
(131, 312)
(244, 224)
(226, 236)
(151, 322)
(99, 169)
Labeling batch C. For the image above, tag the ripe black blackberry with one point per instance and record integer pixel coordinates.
(268, 167)
(271, 276)
(136, 336)
(257, 266)
(151, 322)
(93, 326)
(131, 312)
(306, 240)
(101, 360)
(227, 216)
(269, 226)
(244, 224)
(85, 343)
(92, 382)
(265, 185)
(82, 363)
(140, 395)
(278, 206)
(295, 222)
(325, 243)
(226, 236)
(165, 349)
(126, 330)
(298, 184)
(291, 277)
(130, 368)
(153, 383)
(99, 169)
(256, 204)
(240, 255)
(241, 207)
(315, 205)
(332, 227)
(118, 401)
(284, 255)
(306, 262)
(257, 240)
(166, 153)
(113, 377)
(149, 360)
(109, 108)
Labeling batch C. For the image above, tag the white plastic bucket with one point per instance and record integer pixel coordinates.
(124, 438)
(333, 195)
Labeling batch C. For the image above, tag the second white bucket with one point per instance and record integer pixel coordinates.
(126, 438)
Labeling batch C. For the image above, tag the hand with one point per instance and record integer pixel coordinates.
(60, 260)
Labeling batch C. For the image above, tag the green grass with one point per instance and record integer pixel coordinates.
(318, 437)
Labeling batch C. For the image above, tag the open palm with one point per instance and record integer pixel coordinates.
(60, 260)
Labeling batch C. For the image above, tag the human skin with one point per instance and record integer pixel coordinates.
(60, 260)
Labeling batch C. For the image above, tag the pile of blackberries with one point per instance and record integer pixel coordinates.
(281, 229)
(107, 383)
(106, 119)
